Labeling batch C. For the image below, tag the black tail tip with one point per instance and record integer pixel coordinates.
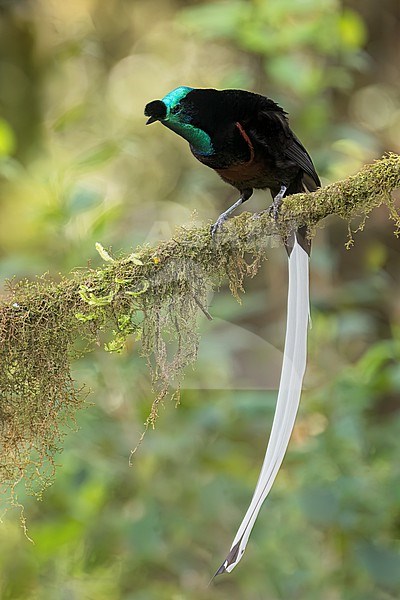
(220, 571)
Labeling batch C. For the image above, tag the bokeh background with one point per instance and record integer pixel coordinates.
(78, 166)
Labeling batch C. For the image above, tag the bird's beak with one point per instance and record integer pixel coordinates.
(151, 120)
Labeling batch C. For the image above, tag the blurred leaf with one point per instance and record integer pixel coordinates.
(97, 156)
(352, 29)
(220, 19)
(8, 140)
(382, 564)
(320, 505)
(69, 118)
(373, 361)
(82, 199)
(10, 168)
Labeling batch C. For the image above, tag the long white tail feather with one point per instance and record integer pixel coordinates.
(293, 368)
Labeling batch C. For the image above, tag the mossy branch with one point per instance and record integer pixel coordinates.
(157, 294)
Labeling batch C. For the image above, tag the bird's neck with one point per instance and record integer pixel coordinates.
(199, 140)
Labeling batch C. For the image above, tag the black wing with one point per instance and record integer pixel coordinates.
(271, 130)
(296, 152)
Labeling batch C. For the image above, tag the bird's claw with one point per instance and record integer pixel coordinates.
(273, 210)
(218, 223)
(277, 203)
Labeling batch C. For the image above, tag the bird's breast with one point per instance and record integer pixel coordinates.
(258, 173)
(255, 174)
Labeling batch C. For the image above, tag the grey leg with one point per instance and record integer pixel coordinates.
(223, 216)
(277, 201)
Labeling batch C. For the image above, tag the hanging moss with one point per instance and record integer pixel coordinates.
(156, 294)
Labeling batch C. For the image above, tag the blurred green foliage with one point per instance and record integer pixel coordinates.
(77, 166)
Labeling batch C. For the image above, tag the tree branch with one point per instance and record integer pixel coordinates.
(154, 290)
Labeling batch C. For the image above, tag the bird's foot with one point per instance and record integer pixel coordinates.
(273, 210)
(277, 203)
(223, 217)
(217, 225)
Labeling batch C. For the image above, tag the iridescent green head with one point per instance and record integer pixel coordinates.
(175, 112)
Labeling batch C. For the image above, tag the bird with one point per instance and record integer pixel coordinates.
(246, 139)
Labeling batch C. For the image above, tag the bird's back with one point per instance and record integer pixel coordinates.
(253, 144)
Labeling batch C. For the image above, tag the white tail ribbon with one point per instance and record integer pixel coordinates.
(293, 368)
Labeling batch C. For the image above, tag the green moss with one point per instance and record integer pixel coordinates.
(156, 294)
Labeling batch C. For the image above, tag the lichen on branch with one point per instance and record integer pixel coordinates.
(156, 294)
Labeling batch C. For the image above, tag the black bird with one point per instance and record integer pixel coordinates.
(246, 139)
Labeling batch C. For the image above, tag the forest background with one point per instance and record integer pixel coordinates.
(77, 166)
